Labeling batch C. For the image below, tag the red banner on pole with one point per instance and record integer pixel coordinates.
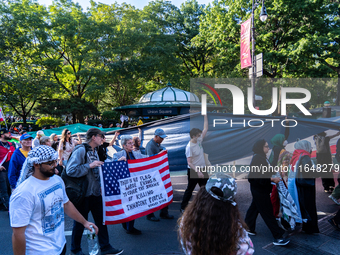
(245, 44)
(1, 115)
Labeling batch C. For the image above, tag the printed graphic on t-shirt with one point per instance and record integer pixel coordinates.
(93, 157)
(52, 209)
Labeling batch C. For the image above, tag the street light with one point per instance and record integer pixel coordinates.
(263, 14)
(263, 17)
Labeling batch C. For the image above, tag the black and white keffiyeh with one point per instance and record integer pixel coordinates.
(37, 155)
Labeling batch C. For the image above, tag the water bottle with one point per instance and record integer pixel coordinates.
(92, 241)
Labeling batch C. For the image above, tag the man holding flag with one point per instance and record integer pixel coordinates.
(125, 154)
(154, 147)
(134, 185)
(85, 162)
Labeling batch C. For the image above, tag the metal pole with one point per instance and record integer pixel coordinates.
(253, 61)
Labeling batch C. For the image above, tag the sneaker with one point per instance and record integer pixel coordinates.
(334, 199)
(334, 224)
(112, 251)
(152, 218)
(134, 231)
(251, 233)
(282, 241)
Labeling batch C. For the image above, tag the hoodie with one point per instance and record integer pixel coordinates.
(15, 166)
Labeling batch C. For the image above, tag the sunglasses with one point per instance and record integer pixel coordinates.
(51, 164)
(69, 133)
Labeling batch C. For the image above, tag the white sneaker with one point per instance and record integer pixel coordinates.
(283, 241)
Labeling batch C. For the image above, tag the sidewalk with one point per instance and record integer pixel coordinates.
(325, 243)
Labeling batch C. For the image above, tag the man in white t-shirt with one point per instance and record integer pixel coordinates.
(37, 207)
(195, 158)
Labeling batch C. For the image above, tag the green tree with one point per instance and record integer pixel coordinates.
(287, 38)
(136, 52)
(56, 107)
(22, 81)
(68, 47)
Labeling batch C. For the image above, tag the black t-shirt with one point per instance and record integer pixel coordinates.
(102, 151)
(55, 145)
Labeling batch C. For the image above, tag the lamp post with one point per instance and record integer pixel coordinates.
(263, 17)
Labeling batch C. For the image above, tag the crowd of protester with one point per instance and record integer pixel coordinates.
(210, 224)
(47, 158)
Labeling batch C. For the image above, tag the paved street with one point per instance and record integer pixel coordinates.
(161, 237)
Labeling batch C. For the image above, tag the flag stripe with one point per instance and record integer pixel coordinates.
(120, 219)
(113, 213)
(148, 159)
(166, 177)
(167, 185)
(146, 167)
(113, 203)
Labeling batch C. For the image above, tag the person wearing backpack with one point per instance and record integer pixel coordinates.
(324, 157)
(84, 161)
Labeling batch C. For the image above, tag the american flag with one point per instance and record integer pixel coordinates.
(114, 201)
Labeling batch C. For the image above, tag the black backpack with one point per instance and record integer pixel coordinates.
(76, 187)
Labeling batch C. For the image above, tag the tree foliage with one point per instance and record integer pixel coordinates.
(66, 60)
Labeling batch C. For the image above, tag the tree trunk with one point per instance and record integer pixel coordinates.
(80, 117)
(73, 118)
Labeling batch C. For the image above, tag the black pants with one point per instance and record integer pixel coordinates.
(193, 180)
(337, 217)
(95, 205)
(5, 190)
(164, 212)
(129, 225)
(261, 204)
(327, 178)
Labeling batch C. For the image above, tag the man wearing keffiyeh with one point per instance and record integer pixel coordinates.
(37, 206)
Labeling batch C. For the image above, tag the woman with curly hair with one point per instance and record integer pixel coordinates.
(66, 146)
(211, 224)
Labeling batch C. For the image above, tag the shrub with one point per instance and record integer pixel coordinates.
(110, 115)
(25, 126)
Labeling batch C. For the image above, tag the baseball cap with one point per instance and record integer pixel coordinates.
(160, 132)
(3, 131)
(25, 136)
(100, 125)
(40, 132)
(93, 131)
(227, 186)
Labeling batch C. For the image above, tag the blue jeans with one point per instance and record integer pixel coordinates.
(4, 189)
(95, 205)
